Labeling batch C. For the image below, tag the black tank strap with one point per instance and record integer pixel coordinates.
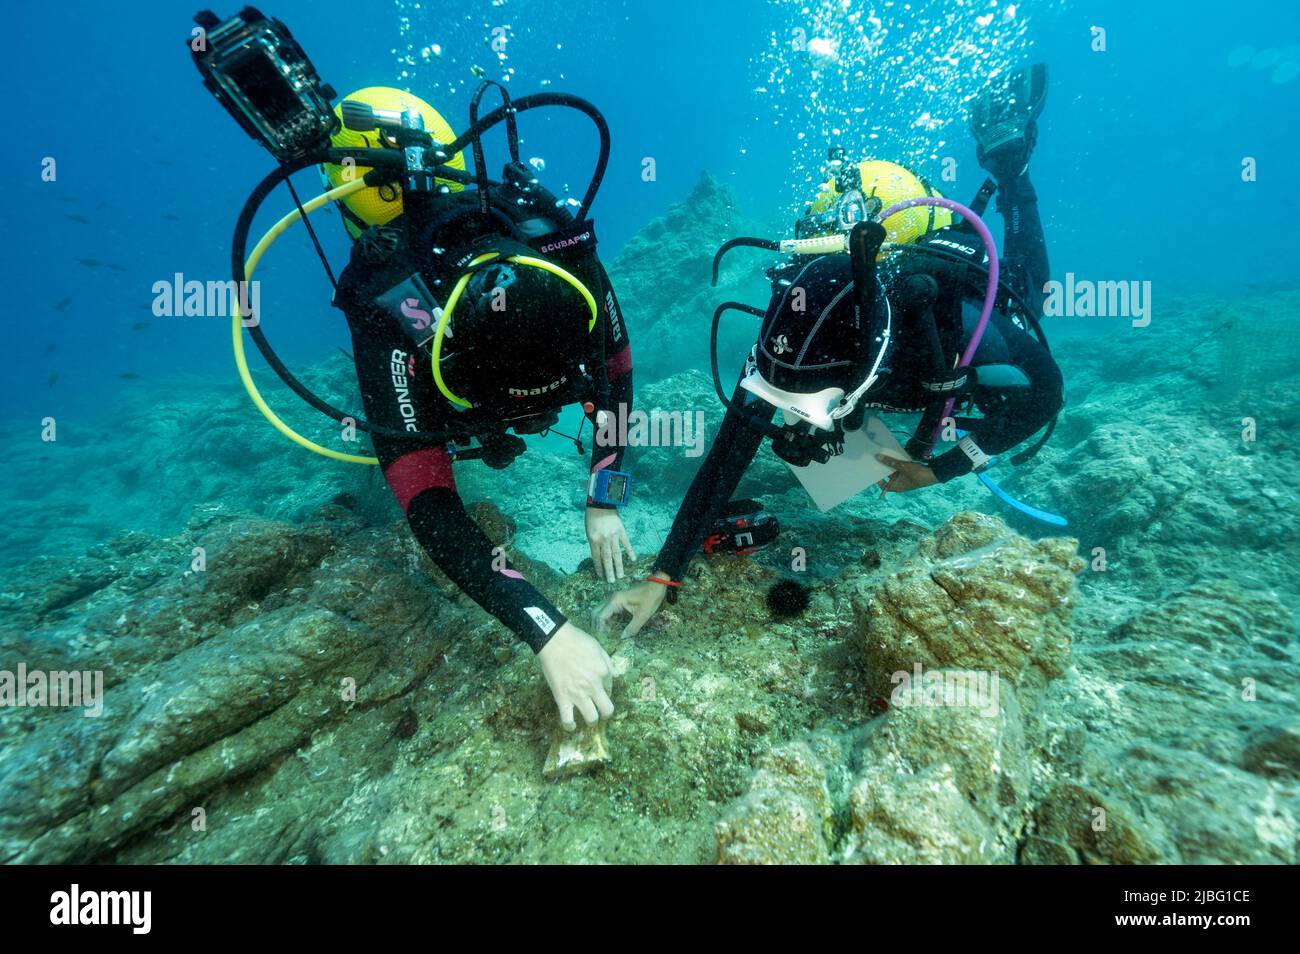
(982, 197)
(512, 138)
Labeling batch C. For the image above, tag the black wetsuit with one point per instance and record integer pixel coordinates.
(398, 392)
(1009, 416)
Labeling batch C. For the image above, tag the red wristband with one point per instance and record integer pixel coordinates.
(655, 579)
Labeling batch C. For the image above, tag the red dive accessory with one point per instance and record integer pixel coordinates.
(743, 528)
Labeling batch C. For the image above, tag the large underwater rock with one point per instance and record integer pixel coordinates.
(209, 676)
(784, 817)
(946, 783)
(974, 596)
(1170, 733)
(663, 280)
(1156, 744)
(1176, 445)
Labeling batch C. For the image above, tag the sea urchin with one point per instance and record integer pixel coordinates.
(787, 599)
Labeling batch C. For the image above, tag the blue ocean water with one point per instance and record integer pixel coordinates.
(1139, 167)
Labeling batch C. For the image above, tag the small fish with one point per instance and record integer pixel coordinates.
(140, 326)
(76, 218)
(116, 268)
(171, 217)
(129, 376)
(143, 307)
(54, 377)
(344, 353)
(49, 350)
(63, 304)
(90, 262)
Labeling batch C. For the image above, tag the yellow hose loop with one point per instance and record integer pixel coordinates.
(568, 277)
(459, 289)
(274, 232)
(237, 325)
(443, 319)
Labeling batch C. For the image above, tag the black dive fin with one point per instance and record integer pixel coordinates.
(1002, 117)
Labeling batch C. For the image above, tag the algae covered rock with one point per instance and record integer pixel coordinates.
(1274, 749)
(931, 782)
(1185, 713)
(213, 676)
(916, 819)
(974, 596)
(1212, 614)
(1074, 824)
(946, 779)
(783, 819)
(1207, 812)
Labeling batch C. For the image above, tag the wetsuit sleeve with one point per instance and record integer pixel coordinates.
(1010, 415)
(397, 392)
(713, 486)
(607, 450)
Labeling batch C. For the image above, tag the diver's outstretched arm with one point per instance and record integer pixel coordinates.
(397, 392)
(713, 486)
(709, 494)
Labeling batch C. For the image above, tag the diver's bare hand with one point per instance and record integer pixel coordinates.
(608, 540)
(641, 601)
(908, 475)
(580, 675)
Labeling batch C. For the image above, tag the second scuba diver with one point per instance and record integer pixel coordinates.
(506, 350)
(841, 336)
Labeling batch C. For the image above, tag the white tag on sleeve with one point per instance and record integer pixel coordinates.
(540, 617)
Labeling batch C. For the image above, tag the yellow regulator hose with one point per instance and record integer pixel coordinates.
(237, 325)
(335, 195)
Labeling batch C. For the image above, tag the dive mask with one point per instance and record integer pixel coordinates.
(849, 209)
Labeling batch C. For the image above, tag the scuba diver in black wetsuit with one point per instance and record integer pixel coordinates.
(474, 312)
(507, 353)
(842, 335)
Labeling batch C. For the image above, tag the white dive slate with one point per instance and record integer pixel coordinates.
(832, 483)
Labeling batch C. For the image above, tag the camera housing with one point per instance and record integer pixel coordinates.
(261, 76)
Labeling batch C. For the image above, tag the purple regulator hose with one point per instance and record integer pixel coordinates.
(990, 292)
